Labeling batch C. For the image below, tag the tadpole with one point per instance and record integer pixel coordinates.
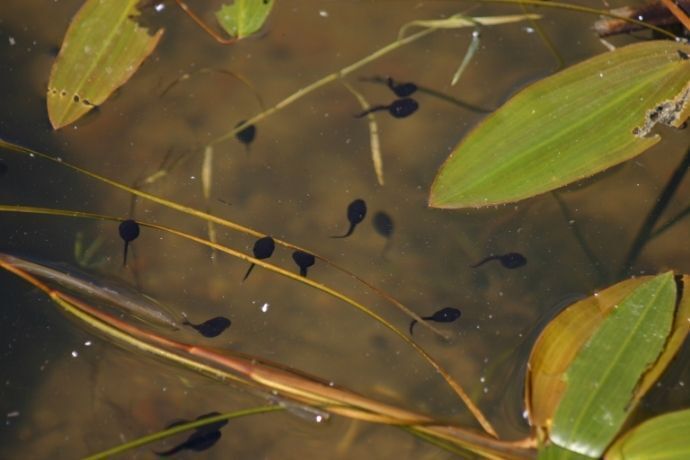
(356, 212)
(303, 260)
(246, 136)
(445, 315)
(129, 231)
(201, 439)
(210, 328)
(511, 260)
(399, 108)
(263, 249)
(401, 89)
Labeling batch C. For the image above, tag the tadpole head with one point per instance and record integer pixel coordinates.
(129, 230)
(356, 211)
(264, 247)
(404, 107)
(303, 260)
(401, 89)
(246, 135)
(513, 260)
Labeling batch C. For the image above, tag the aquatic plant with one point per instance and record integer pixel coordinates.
(591, 365)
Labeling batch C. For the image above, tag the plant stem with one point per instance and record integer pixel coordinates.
(324, 81)
(645, 232)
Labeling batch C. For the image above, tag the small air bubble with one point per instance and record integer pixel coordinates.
(88, 343)
(75, 354)
(159, 7)
(12, 41)
(323, 13)
(264, 307)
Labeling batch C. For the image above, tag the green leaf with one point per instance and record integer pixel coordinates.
(244, 17)
(553, 452)
(569, 126)
(558, 345)
(603, 377)
(661, 438)
(103, 47)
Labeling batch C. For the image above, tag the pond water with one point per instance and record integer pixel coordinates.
(66, 392)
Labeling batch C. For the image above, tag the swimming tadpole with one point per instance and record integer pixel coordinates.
(356, 212)
(399, 108)
(129, 231)
(383, 224)
(263, 249)
(445, 315)
(246, 136)
(304, 260)
(201, 439)
(511, 260)
(401, 89)
(210, 328)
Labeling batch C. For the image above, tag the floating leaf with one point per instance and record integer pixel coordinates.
(559, 344)
(602, 378)
(244, 17)
(103, 47)
(662, 438)
(569, 126)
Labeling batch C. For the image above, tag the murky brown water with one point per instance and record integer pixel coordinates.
(62, 398)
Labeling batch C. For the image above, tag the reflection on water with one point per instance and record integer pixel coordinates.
(67, 392)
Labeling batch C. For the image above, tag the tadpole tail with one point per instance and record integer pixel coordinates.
(249, 270)
(303, 271)
(173, 451)
(349, 232)
(414, 321)
(124, 256)
(370, 110)
(483, 261)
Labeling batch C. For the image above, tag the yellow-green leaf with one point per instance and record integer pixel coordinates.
(661, 438)
(558, 345)
(569, 126)
(103, 47)
(601, 381)
(244, 17)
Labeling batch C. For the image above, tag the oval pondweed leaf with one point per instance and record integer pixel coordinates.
(304, 260)
(569, 126)
(263, 249)
(129, 231)
(356, 212)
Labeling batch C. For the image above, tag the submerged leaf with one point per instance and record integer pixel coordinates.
(101, 50)
(602, 378)
(569, 126)
(244, 17)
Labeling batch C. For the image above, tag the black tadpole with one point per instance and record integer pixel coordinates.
(303, 260)
(246, 135)
(202, 438)
(129, 231)
(401, 89)
(356, 212)
(263, 249)
(399, 108)
(210, 328)
(510, 260)
(445, 315)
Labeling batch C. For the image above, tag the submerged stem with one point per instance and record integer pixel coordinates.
(644, 234)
